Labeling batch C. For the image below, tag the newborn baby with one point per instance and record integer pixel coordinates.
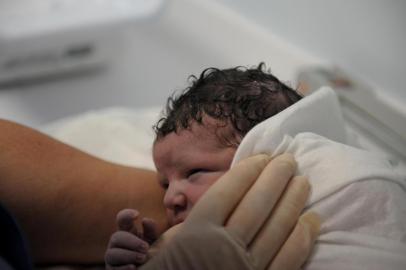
(195, 145)
(360, 196)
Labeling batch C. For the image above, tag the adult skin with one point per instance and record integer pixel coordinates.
(66, 200)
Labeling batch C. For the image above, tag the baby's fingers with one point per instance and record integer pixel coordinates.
(125, 219)
(115, 257)
(121, 267)
(126, 240)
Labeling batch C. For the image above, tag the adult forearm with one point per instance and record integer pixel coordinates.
(66, 200)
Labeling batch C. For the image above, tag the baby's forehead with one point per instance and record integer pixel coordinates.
(196, 133)
(216, 132)
(210, 134)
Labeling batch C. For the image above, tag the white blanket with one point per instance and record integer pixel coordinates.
(360, 196)
(120, 135)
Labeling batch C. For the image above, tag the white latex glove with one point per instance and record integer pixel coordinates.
(247, 220)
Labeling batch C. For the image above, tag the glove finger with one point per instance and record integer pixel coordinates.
(264, 192)
(220, 200)
(125, 219)
(126, 240)
(150, 230)
(117, 257)
(281, 222)
(299, 245)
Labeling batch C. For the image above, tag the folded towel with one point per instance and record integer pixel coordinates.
(360, 196)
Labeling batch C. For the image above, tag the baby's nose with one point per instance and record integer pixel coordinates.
(174, 197)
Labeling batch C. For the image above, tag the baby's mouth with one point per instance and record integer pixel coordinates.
(179, 215)
(177, 220)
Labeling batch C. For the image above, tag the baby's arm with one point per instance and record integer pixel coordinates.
(128, 248)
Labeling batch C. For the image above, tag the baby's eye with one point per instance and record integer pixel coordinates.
(194, 171)
(193, 174)
(162, 180)
(165, 186)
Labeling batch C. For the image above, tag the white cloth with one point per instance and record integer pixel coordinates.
(120, 135)
(360, 196)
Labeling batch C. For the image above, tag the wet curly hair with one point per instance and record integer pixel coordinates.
(240, 96)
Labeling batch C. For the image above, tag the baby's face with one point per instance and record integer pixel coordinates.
(188, 163)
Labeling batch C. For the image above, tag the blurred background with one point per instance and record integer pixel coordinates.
(60, 58)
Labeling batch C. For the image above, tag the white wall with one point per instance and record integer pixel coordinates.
(365, 37)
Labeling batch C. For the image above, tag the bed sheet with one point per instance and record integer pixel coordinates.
(121, 135)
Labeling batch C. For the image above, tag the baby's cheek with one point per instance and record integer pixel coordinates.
(169, 214)
(196, 190)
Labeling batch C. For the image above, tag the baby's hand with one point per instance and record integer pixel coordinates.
(127, 247)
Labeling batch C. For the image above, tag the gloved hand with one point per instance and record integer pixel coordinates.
(128, 247)
(247, 220)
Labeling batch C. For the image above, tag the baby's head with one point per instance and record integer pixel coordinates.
(203, 126)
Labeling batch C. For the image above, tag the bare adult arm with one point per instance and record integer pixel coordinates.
(66, 200)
